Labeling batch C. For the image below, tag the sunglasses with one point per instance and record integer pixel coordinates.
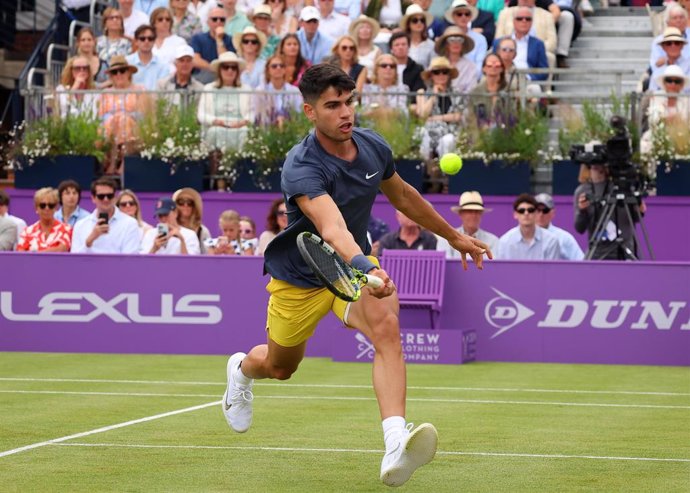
(455, 39)
(523, 18)
(526, 210)
(217, 19)
(250, 41)
(440, 71)
(277, 65)
(103, 196)
(80, 68)
(229, 67)
(146, 38)
(246, 231)
(118, 71)
(127, 203)
(387, 65)
(672, 43)
(462, 14)
(161, 19)
(347, 48)
(50, 206)
(111, 17)
(673, 80)
(507, 49)
(418, 20)
(543, 210)
(187, 202)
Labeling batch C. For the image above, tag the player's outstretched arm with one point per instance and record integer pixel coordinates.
(410, 202)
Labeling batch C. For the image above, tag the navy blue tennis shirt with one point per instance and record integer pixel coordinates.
(309, 170)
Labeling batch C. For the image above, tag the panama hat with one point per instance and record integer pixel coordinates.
(453, 31)
(363, 19)
(227, 57)
(262, 9)
(470, 201)
(460, 4)
(675, 72)
(249, 30)
(440, 62)
(672, 34)
(415, 9)
(119, 61)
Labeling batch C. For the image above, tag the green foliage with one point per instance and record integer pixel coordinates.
(400, 131)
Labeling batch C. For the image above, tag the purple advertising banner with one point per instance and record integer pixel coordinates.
(585, 312)
(667, 219)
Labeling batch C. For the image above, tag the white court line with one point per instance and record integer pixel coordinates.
(338, 386)
(369, 451)
(107, 428)
(345, 398)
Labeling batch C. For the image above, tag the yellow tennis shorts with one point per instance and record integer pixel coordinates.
(293, 312)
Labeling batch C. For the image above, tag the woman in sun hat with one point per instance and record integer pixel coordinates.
(364, 30)
(416, 24)
(454, 45)
(249, 44)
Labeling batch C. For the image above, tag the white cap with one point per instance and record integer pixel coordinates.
(308, 13)
(184, 50)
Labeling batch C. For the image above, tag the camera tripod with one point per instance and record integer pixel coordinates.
(618, 249)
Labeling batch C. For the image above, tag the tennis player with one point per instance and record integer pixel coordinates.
(330, 181)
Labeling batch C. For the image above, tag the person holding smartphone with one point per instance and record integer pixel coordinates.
(106, 229)
(168, 237)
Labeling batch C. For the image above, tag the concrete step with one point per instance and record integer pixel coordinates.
(612, 53)
(615, 43)
(608, 62)
(633, 23)
(615, 32)
(620, 12)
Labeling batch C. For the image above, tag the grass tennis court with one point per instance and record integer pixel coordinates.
(502, 427)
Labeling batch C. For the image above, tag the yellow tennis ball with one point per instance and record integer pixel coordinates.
(450, 163)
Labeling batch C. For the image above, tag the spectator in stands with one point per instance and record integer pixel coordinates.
(190, 213)
(455, 45)
(69, 197)
(315, 45)
(364, 30)
(121, 111)
(132, 18)
(388, 14)
(230, 241)
(470, 209)
(416, 24)
(490, 100)
(526, 19)
(8, 235)
(345, 57)
(676, 16)
(128, 202)
(295, 63)
(546, 210)
(332, 23)
(149, 68)
(210, 45)
(249, 44)
(672, 43)
(185, 23)
(200, 8)
(5, 213)
(182, 80)
(531, 51)
(168, 237)
(568, 26)
(76, 76)
(462, 14)
(409, 236)
(86, 47)
(47, 234)
(664, 106)
(411, 71)
(106, 229)
(113, 42)
(386, 96)
(235, 20)
(506, 49)
(493, 6)
(350, 8)
(484, 23)
(280, 98)
(225, 109)
(166, 45)
(527, 241)
(282, 20)
(275, 223)
(262, 21)
(248, 232)
(441, 111)
(149, 6)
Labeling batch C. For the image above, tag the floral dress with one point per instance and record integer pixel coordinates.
(435, 130)
(108, 48)
(33, 239)
(120, 113)
(187, 27)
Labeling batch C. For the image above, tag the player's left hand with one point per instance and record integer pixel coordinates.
(388, 287)
(473, 247)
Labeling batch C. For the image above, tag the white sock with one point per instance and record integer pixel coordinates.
(240, 377)
(393, 427)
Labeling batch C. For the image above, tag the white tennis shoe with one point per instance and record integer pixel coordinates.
(415, 448)
(237, 400)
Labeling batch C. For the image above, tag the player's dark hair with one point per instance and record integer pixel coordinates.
(318, 78)
(64, 185)
(524, 198)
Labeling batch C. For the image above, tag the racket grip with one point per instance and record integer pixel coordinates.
(373, 281)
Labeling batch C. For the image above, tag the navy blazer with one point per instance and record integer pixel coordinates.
(536, 56)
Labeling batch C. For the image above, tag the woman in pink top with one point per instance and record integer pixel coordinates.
(47, 234)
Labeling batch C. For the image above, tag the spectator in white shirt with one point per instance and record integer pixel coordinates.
(132, 17)
(106, 229)
(332, 23)
(5, 212)
(168, 237)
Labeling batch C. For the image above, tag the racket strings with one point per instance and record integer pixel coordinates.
(333, 270)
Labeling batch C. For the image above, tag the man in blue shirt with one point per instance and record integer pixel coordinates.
(330, 181)
(315, 46)
(209, 45)
(69, 196)
(151, 69)
(546, 210)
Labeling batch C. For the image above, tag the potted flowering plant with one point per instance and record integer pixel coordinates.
(171, 153)
(498, 156)
(48, 150)
(668, 156)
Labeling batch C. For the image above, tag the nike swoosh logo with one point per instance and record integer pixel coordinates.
(369, 177)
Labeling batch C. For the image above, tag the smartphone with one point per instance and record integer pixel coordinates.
(162, 229)
(103, 218)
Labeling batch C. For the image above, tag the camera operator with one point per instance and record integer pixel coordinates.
(616, 239)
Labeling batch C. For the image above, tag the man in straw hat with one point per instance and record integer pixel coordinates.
(330, 181)
(672, 43)
(470, 209)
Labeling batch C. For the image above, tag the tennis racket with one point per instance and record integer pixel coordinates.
(340, 278)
